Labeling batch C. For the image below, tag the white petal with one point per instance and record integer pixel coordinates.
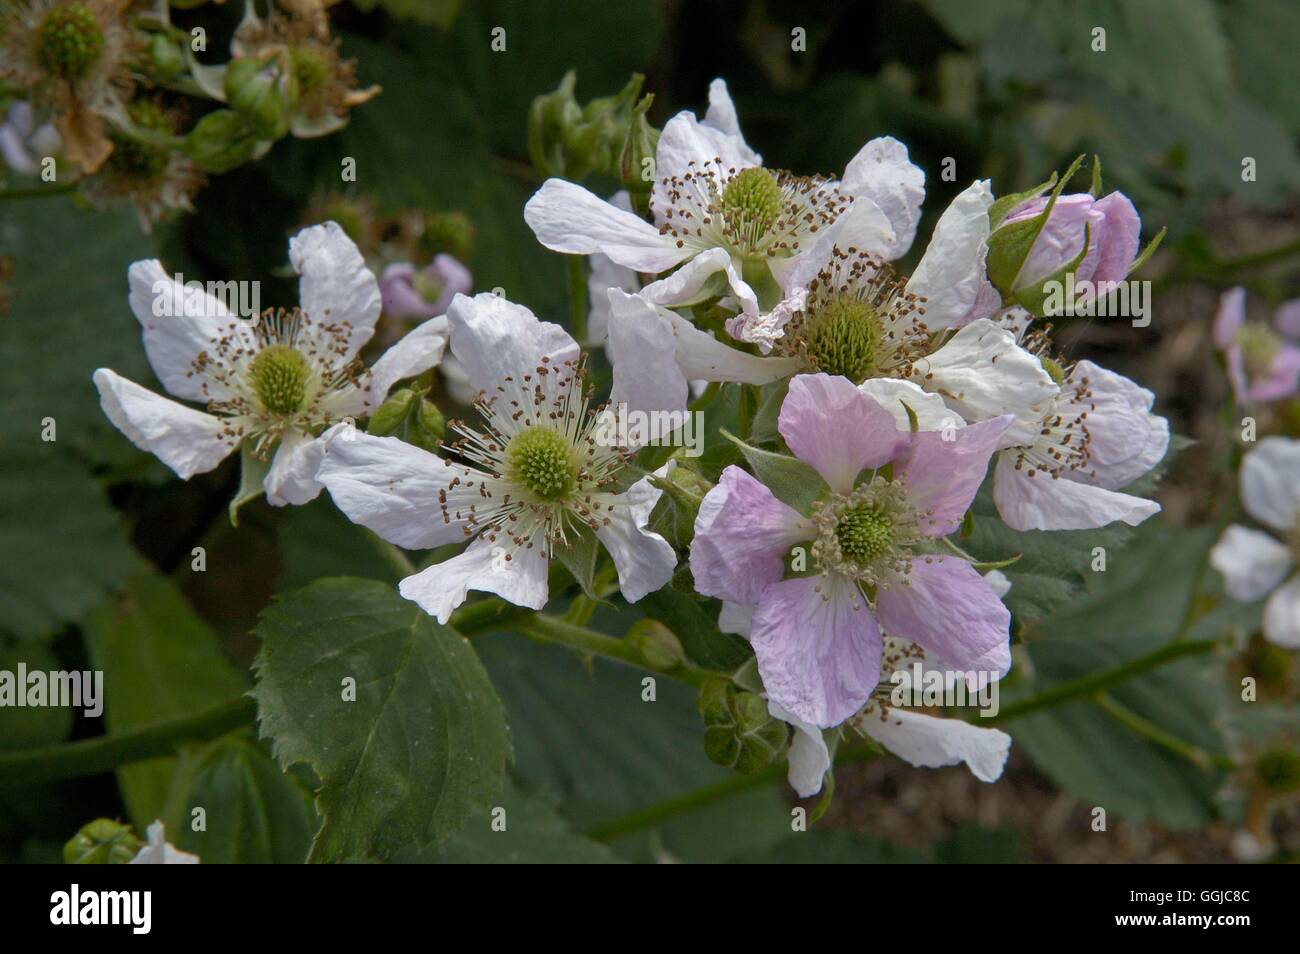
(188, 441)
(645, 560)
(1270, 483)
(930, 742)
(159, 852)
(482, 566)
(863, 225)
(998, 582)
(932, 414)
(1126, 439)
(809, 758)
(567, 218)
(686, 140)
(687, 284)
(292, 477)
(493, 338)
(336, 287)
(982, 373)
(606, 274)
(1252, 562)
(655, 352)
(392, 487)
(951, 272)
(1282, 615)
(1042, 502)
(178, 324)
(721, 115)
(882, 172)
(414, 354)
(736, 618)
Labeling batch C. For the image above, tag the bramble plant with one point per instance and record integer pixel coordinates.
(800, 452)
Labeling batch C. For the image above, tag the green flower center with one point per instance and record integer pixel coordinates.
(1259, 346)
(540, 458)
(136, 159)
(753, 199)
(280, 376)
(427, 286)
(1053, 369)
(845, 337)
(69, 41)
(309, 69)
(865, 533)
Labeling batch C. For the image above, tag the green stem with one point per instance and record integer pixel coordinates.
(1148, 730)
(39, 192)
(710, 794)
(491, 613)
(549, 629)
(578, 298)
(1085, 687)
(107, 752)
(397, 561)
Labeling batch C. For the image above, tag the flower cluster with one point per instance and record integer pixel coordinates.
(112, 87)
(893, 395)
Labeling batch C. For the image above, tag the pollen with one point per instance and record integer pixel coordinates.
(280, 375)
(540, 458)
(864, 533)
(845, 337)
(69, 41)
(752, 198)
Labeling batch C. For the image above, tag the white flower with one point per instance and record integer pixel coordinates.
(159, 852)
(541, 473)
(276, 384)
(23, 144)
(1097, 436)
(711, 192)
(1254, 564)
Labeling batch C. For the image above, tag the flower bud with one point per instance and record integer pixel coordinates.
(571, 141)
(254, 90)
(221, 140)
(102, 842)
(739, 732)
(642, 140)
(166, 62)
(657, 644)
(408, 415)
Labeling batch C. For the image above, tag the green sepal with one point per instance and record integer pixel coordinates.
(791, 480)
(102, 842)
(252, 476)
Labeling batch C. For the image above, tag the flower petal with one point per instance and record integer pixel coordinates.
(567, 218)
(1252, 562)
(1230, 316)
(188, 441)
(932, 414)
(336, 288)
(943, 471)
(829, 423)
(982, 373)
(930, 742)
(516, 574)
(292, 476)
(1043, 502)
(947, 608)
(736, 618)
(951, 273)
(1270, 483)
(1126, 440)
(721, 115)
(742, 534)
(393, 488)
(1287, 318)
(493, 338)
(686, 284)
(809, 759)
(645, 561)
(883, 173)
(818, 648)
(1282, 615)
(685, 144)
(178, 324)
(416, 352)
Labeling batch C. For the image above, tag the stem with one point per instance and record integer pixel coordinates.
(1148, 730)
(107, 752)
(578, 298)
(491, 613)
(39, 192)
(549, 629)
(397, 561)
(1086, 687)
(709, 794)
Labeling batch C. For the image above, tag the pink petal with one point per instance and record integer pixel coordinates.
(1117, 243)
(943, 471)
(838, 429)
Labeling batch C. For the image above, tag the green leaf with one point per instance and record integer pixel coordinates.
(695, 623)
(160, 662)
(253, 812)
(579, 558)
(791, 480)
(423, 745)
(533, 833)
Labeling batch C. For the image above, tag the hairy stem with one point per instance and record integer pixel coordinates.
(550, 629)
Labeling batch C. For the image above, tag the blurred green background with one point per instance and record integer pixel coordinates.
(96, 538)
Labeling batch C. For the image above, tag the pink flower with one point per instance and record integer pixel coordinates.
(1262, 364)
(1112, 229)
(425, 293)
(889, 493)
